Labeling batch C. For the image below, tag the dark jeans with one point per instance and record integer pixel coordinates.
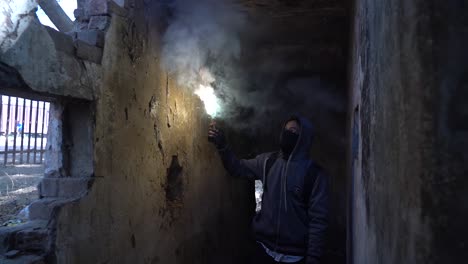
(261, 257)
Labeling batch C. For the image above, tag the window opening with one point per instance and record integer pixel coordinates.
(23, 139)
(23, 130)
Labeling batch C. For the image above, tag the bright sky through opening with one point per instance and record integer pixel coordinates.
(67, 5)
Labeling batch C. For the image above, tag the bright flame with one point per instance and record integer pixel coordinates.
(211, 102)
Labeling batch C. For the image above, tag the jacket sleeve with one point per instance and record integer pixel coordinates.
(317, 218)
(245, 168)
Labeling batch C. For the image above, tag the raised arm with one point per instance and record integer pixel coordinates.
(246, 168)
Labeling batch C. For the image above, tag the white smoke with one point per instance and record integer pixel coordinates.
(205, 46)
(202, 42)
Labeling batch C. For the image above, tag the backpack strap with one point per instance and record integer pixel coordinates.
(268, 164)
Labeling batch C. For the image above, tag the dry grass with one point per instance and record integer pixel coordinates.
(18, 188)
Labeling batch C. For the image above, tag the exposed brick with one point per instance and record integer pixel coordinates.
(88, 52)
(80, 14)
(73, 187)
(62, 41)
(63, 187)
(48, 187)
(97, 7)
(99, 22)
(92, 37)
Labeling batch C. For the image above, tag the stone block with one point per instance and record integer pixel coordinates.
(97, 7)
(45, 70)
(63, 187)
(31, 240)
(88, 52)
(62, 41)
(80, 14)
(41, 209)
(99, 22)
(73, 187)
(81, 25)
(52, 173)
(9, 236)
(48, 187)
(91, 37)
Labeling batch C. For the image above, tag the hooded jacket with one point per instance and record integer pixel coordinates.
(288, 222)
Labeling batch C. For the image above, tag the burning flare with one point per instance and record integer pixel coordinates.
(211, 102)
(206, 92)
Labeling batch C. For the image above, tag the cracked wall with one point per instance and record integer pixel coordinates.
(160, 193)
(15, 17)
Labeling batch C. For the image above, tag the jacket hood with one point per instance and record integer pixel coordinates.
(306, 137)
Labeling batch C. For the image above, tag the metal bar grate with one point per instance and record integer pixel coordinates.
(30, 129)
(15, 134)
(23, 130)
(42, 129)
(7, 130)
(35, 130)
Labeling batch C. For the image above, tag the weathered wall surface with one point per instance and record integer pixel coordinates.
(408, 129)
(55, 71)
(160, 193)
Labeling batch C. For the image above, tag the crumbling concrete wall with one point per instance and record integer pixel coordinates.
(408, 151)
(43, 64)
(50, 62)
(15, 17)
(56, 70)
(160, 193)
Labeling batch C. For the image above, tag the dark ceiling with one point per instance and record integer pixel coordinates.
(308, 35)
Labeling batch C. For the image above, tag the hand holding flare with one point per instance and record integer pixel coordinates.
(216, 136)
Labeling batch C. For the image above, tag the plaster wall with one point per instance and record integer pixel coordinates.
(408, 139)
(160, 194)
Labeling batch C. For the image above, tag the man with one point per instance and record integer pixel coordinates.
(291, 224)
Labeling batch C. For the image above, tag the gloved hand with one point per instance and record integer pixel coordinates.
(216, 136)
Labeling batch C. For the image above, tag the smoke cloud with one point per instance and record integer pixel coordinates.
(209, 42)
(203, 45)
(202, 40)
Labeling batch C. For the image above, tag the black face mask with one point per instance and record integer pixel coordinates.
(288, 142)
